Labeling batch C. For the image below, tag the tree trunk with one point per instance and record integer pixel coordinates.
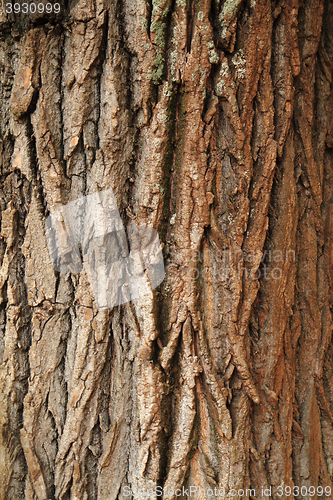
(211, 121)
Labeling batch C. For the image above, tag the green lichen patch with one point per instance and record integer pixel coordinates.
(158, 36)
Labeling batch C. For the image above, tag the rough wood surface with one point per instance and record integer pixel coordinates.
(211, 121)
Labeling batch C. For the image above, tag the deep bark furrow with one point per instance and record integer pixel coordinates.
(211, 123)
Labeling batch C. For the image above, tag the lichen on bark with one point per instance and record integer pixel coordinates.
(211, 121)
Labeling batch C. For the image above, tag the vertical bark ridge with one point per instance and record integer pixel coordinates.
(211, 122)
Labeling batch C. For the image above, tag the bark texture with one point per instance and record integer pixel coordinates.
(211, 120)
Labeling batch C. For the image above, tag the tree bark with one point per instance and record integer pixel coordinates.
(211, 121)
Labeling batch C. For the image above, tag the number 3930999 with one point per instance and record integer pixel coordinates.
(32, 8)
(304, 491)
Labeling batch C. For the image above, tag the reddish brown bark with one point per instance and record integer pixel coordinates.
(212, 122)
